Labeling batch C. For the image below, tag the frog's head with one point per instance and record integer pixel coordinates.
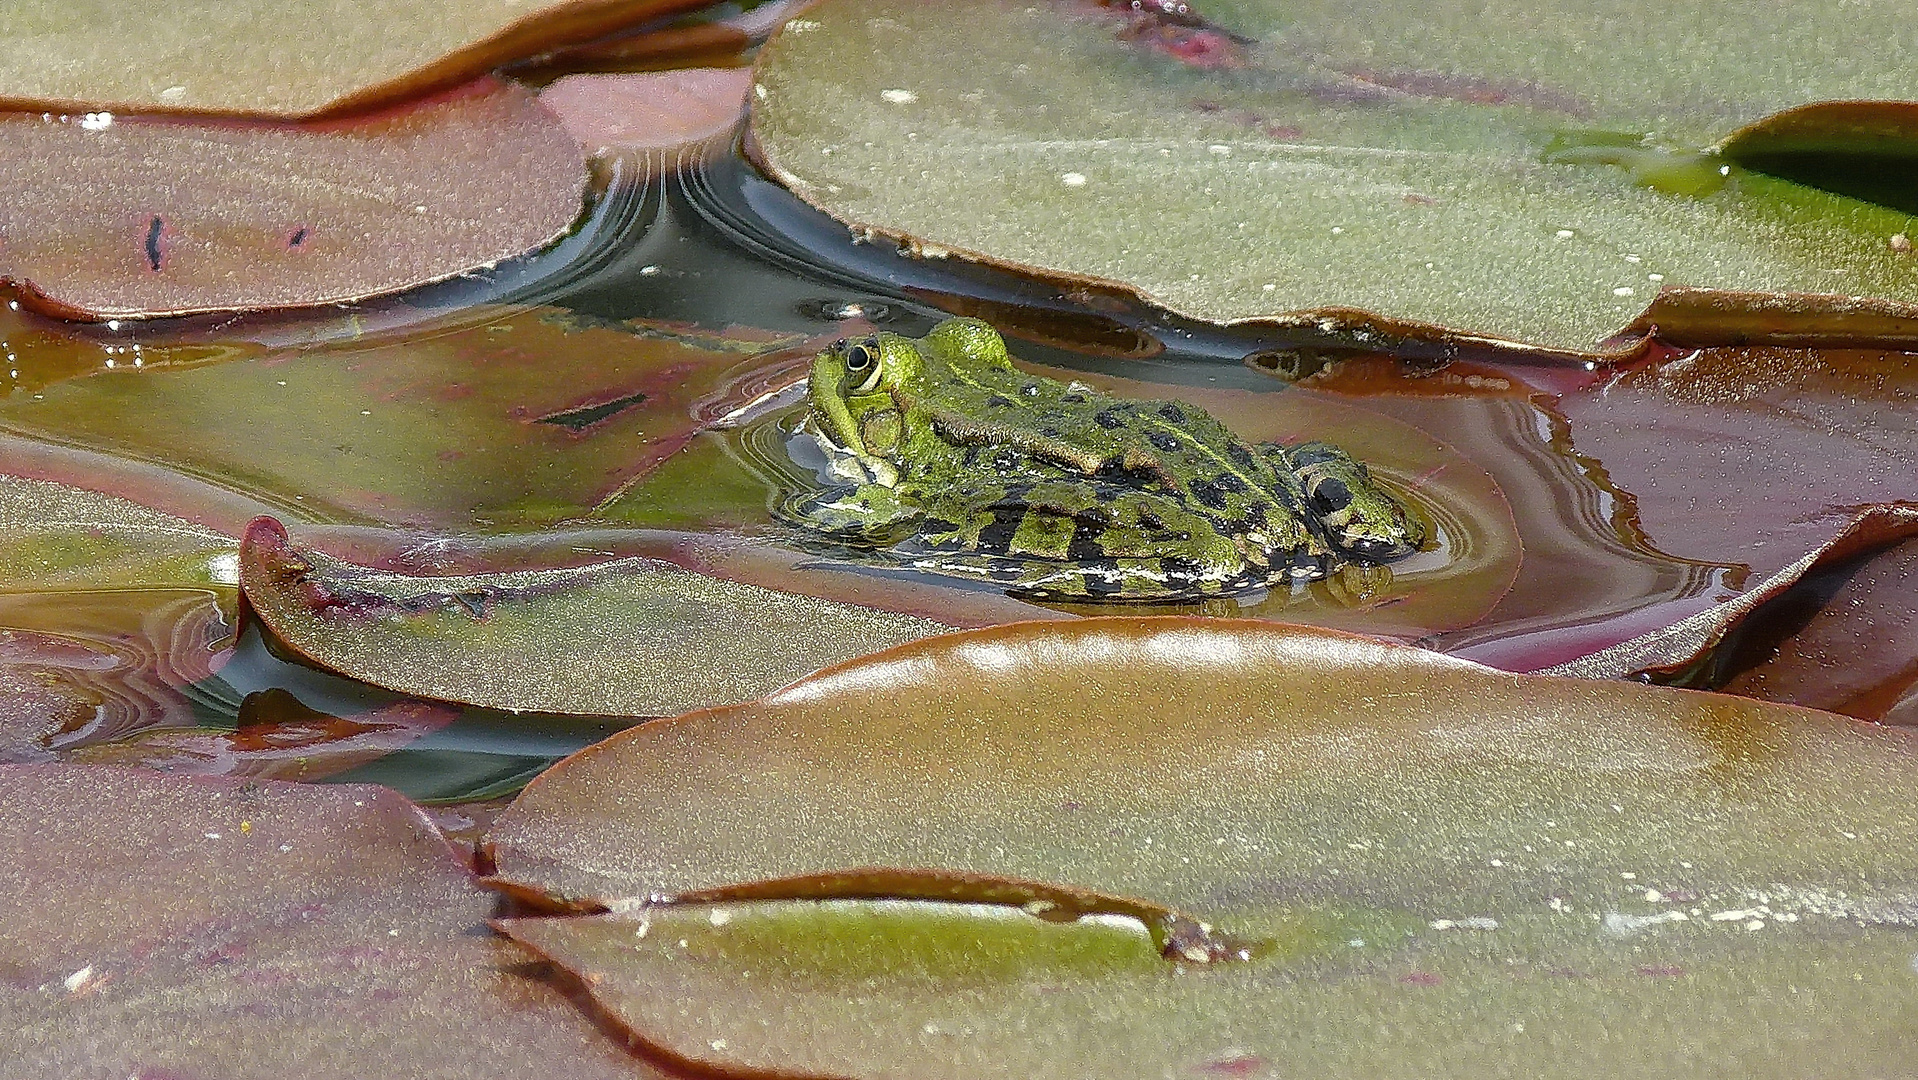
(1361, 519)
(851, 392)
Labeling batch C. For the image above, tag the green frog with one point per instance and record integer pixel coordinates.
(947, 458)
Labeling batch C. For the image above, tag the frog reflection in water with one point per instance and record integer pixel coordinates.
(958, 463)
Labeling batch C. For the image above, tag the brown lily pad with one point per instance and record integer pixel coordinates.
(628, 637)
(1184, 762)
(166, 927)
(660, 111)
(200, 56)
(1413, 863)
(236, 219)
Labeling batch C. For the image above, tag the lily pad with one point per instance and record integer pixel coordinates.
(164, 927)
(236, 220)
(220, 57)
(53, 536)
(684, 110)
(1429, 865)
(1507, 173)
(499, 419)
(1210, 766)
(628, 637)
(891, 989)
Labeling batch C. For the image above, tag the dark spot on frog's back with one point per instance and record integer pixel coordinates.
(998, 401)
(1109, 419)
(1172, 413)
(1207, 494)
(1165, 441)
(1240, 456)
(1030, 389)
(1073, 398)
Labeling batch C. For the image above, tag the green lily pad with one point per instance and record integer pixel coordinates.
(162, 927)
(222, 57)
(627, 637)
(1508, 173)
(1420, 864)
(500, 419)
(53, 536)
(236, 220)
(889, 989)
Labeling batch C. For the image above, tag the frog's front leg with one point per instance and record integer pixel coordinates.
(869, 514)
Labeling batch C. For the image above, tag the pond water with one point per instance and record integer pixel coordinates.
(1540, 556)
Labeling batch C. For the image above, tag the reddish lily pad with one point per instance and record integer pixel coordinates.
(416, 194)
(192, 55)
(1429, 866)
(1201, 765)
(683, 110)
(629, 637)
(165, 927)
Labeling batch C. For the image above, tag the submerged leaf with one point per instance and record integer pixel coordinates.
(1504, 172)
(500, 419)
(236, 218)
(629, 637)
(53, 536)
(161, 927)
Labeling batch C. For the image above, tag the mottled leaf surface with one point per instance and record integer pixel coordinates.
(223, 57)
(1510, 171)
(256, 215)
(629, 637)
(162, 927)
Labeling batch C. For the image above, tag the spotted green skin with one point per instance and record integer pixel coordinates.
(964, 465)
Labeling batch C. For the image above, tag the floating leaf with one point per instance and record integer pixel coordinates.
(1413, 849)
(192, 55)
(53, 536)
(236, 219)
(1199, 764)
(161, 927)
(653, 111)
(1841, 639)
(520, 418)
(629, 637)
(890, 989)
(1504, 172)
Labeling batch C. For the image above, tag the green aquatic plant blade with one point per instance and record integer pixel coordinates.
(164, 927)
(1526, 175)
(236, 220)
(222, 57)
(627, 637)
(500, 419)
(888, 989)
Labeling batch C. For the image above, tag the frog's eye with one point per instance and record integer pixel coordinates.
(862, 357)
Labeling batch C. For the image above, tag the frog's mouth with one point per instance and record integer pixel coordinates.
(837, 464)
